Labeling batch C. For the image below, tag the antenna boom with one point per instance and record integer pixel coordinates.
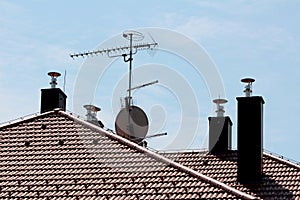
(113, 52)
(144, 85)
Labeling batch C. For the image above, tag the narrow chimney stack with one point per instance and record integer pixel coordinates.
(219, 130)
(53, 97)
(249, 135)
(91, 115)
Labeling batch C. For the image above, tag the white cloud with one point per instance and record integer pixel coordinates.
(266, 36)
(203, 27)
(6, 7)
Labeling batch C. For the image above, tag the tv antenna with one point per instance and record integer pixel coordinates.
(123, 51)
(131, 122)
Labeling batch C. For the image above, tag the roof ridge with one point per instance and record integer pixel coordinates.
(204, 150)
(163, 159)
(281, 159)
(25, 118)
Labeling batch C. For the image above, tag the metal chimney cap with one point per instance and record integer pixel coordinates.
(92, 108)
(54, 74)
(220, 101)
(248, 87)
(220, 109)
(248, 80)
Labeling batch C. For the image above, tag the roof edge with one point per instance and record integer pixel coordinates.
(281, 159)
(162, 158)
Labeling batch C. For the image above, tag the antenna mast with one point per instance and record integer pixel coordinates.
(132, 121)
(123, 51)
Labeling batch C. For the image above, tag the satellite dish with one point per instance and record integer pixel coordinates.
(132, 123)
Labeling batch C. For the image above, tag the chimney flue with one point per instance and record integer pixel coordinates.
(53, 97)
(248, 87)
(219, 129)
(53, 76)
(249, 135)
(91, 115)
(220, 109)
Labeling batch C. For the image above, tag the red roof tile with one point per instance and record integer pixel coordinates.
(281, 178)
(55, 155)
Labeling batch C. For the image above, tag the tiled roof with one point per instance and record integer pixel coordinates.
(281, 178)
(57, 156)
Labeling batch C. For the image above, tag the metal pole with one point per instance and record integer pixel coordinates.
(130, 69)
(131, 132)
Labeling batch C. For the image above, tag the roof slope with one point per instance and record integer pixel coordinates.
(57, 156)
(281, 178)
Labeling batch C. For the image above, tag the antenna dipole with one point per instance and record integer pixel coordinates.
(123, 51)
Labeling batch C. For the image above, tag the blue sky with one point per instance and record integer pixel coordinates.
(260, 39)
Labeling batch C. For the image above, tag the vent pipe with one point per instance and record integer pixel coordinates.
(54, 76)
(53, 97)
(91, 115)
(249, 135)
(248, 87)
(220, 109)
(219, 130)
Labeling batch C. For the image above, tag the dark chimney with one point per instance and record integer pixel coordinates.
(249, 135)
(219, 130)
(53, 97)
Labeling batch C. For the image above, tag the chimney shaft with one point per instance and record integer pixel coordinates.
(219, 134)
(53, 97)
(219, 129)
(250, 138)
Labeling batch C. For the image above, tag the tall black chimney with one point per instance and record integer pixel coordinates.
(53, 97)
(249, 135)
(219, 130)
